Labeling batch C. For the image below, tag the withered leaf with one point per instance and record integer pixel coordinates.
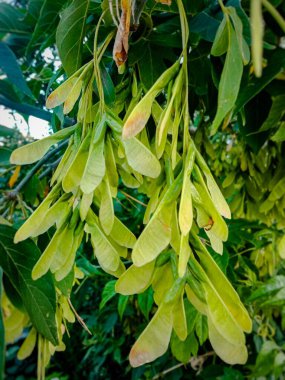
(121, 45)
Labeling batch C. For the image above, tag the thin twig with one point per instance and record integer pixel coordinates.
(50, 168)
(79, 319)
(193, 362)
(133, 198)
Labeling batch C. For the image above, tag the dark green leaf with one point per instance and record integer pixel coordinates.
(182, 350)
(5, 154)
(5, 131)
(267, 290)
(10, 67)
(204, 25)
(12, 293)
(255, 85)
(108, 293)
(46, 20)
(65, 285)
(230, 80)
(201, 328)
(108, 85)
(280, 134)
(70, 33)
(145, 302)
(122, 304)
(275, 114)
(2, 334)
(265, 359)
(151, 66)
(11, 20)
(39, 298)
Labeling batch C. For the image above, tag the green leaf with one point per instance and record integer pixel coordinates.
(278, 191)
(65, 285)
(265, 358)
(243, 47)
(122, 304)
(220, 44)
(279, 136)
(70, 33)
(205, 25)
(9, 65)
(108, 293)
(145, 302)
(31, 153)
(5, 155)
(46, 19)
(230, 80)
(150, 66)
(267, 290)
(108, 85)
(154, 340)
(275, 65)
(11, 20)
(275, 114)
(201, 328)
(39, 296)
(5, 131)
(2, 332)
(183, 350)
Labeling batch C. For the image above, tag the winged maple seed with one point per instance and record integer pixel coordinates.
(121, 45)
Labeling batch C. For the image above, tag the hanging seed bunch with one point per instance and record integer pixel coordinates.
(254, 182)
(105, 147)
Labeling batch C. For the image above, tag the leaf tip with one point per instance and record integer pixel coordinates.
(133, 125)
(137, 358)
(17, 237)
(14, 158)
(50, 101)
